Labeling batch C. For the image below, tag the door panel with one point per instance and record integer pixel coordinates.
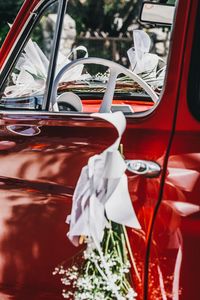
(174, 259)
(38, 175)
(176, 239)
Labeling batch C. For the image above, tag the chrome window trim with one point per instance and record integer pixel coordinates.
(54, 54)
(41, 113)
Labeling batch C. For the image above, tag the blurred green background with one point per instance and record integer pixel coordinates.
(92, 15)
(8, 11)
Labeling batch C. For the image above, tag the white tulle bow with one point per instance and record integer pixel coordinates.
(33, 67)
(102, 191)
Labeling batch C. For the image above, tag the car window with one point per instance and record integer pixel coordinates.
(107, 29)
(26, 83)
(113, 32)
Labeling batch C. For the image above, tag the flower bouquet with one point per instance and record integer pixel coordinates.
(104, 275)
(101, 209)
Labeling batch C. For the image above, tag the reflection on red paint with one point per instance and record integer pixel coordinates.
(5, 145)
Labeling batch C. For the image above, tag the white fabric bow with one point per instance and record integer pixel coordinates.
(102, 191)
(144, 62)
(140, 58)
(33, 69)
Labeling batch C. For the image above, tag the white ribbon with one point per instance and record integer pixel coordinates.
(102, 191)
(75, 73)
(144, 62)
(140, 58)
(101, 194)
(33, 69)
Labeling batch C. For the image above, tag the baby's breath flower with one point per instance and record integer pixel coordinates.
(92, 280)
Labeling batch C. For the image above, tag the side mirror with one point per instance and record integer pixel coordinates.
(159, 14)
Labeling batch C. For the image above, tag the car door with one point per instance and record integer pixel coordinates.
(175, 253)
(42, 154)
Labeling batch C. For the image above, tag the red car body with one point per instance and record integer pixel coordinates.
(38, 174)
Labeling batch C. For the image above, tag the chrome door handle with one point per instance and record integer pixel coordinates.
(143, 167)
(23, 129)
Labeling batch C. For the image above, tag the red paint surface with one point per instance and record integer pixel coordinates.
(137, 106)
(38, 175)
(177, 223)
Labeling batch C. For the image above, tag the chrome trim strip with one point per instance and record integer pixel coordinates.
(135, 115)
(54, 54)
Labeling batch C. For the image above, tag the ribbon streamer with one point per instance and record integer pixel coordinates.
(102, 191)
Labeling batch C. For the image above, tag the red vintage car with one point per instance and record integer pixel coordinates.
(46, 140)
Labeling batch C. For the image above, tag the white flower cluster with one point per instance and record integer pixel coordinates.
(104, 272)
(91, 282)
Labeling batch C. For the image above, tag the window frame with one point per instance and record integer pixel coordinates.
(21, 42)
(23, 39)
(193, 87)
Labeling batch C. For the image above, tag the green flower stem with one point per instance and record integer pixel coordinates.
(107, 241)
(100, 277)
(125, 257)
(87, 267)
(100, 271)
(119, 253)
(112, 238)
(131, 254)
